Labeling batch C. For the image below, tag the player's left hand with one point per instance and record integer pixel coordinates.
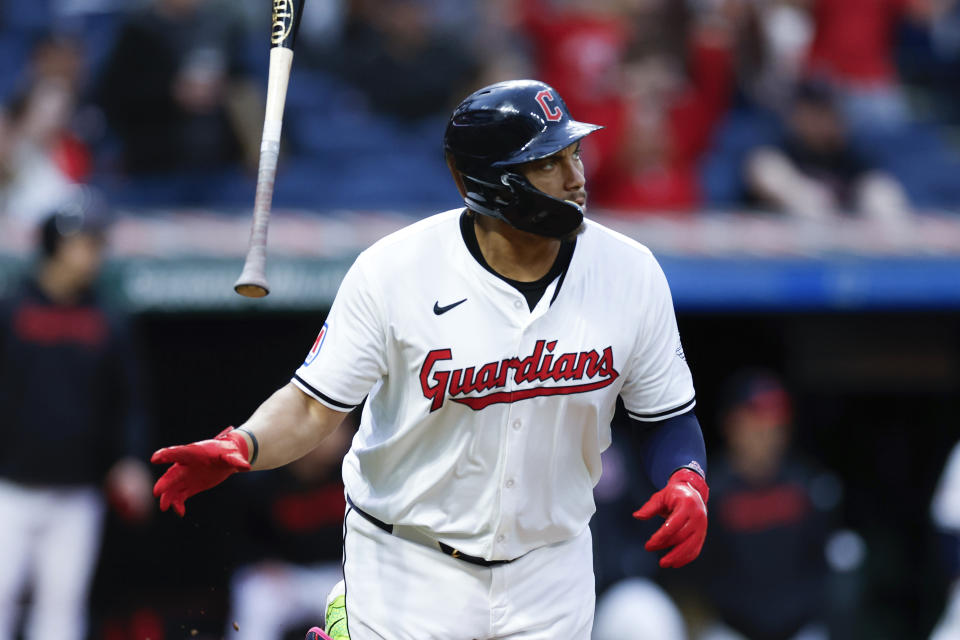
(683, 502)
(197, 467)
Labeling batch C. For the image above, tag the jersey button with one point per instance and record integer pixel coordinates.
(501, 538)
(517, 304)
(510, 483)
(517, 424)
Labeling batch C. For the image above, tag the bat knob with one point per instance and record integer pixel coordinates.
(251, 290)
(251, 285)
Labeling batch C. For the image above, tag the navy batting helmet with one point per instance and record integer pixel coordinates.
(504, 125)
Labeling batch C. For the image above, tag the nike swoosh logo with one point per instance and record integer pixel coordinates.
(437, 309)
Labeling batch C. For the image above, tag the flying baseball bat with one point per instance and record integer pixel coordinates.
(252, 282)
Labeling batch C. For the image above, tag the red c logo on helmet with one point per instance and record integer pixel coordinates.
(553, 112)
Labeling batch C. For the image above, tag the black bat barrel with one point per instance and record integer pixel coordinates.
(285, 23)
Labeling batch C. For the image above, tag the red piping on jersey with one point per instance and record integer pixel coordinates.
(540, 366)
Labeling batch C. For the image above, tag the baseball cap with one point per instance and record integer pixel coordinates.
(85, 212)
(760, 391)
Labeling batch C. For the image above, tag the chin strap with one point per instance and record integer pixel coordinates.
(522, 206)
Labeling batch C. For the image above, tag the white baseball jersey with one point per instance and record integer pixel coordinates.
(485, 419)
(945, 507)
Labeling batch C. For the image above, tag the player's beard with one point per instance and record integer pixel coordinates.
(583, 225)
(576, 232)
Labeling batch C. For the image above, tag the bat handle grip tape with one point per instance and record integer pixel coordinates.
(253, 279)
(252, 282)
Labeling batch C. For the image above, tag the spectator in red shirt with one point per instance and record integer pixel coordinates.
(578, 50)
(854, 39)
(853, 48)
(663, 123)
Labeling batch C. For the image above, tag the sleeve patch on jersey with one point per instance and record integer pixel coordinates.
(315, 349)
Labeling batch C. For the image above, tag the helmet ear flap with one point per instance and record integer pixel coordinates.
(525, 198)
(489, 198)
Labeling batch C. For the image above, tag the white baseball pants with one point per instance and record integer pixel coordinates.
(402, 590)
(50, 536)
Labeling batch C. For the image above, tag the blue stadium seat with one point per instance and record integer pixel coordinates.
(35, 16)
(14, 50)
(918, 155)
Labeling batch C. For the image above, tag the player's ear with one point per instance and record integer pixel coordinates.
(457, 176)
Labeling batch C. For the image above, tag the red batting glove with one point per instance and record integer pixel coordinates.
(197, 467)
(683, 502)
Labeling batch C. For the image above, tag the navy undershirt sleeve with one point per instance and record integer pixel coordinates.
(671, 444)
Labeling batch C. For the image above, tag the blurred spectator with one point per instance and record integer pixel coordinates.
(166, 91)
(764, 567)
(403, 65)
(928, 59)
(945, 510)
(379, 97)
(41, 159)
(814, 170)
(73, 426)
(290, 528)
(773, 51)
(664, 120)
(577, 48)
(57, 57)
(853, 48)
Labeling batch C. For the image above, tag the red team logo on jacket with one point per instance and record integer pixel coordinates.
(588, 370)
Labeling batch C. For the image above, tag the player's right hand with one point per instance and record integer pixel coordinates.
(198, 466)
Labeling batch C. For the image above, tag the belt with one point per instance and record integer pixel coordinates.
(409, 533)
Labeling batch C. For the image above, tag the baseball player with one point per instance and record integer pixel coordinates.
(66, 456)
(491, 343)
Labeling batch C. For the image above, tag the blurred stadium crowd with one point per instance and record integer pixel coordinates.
(809, 107)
